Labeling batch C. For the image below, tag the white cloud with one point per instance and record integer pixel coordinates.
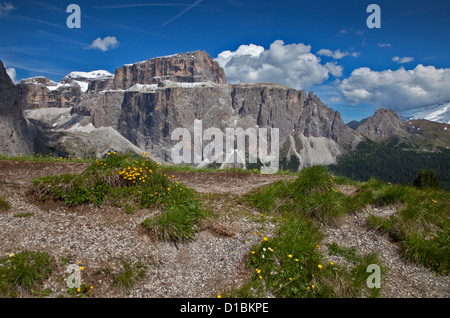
(400, 90)
(109, 42)
(384, 44)
(338, 54)
(12, 73)
(292, 65)
(351, 31)
(335, 70)
(401, 60)
(336, 99)
(5, 8)
(345, 31)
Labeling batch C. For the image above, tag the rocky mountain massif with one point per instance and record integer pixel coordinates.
(385, 126)
(137, 109)
(139, 106)
(16, 133)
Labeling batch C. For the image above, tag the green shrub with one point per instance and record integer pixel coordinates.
(426, 179)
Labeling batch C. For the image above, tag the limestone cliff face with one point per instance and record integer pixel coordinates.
(41, 92)
(189, 67)
(314, 133)
(16, 136)
(146, 101)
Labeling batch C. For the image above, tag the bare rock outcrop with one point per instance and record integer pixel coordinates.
(16, 133)
(190, 67)
(146, 101)
(381, 126)
(41, 92)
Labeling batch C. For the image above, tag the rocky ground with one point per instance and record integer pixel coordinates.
(102, 239)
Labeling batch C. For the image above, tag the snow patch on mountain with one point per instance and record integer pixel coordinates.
(88, 75)
(438, 113)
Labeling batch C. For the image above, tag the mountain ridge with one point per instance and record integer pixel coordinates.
(142, 103)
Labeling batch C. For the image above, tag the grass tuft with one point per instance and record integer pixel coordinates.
(129, 181)
(4, 205)
(26, 270)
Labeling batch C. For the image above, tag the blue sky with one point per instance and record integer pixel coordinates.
(324, 46)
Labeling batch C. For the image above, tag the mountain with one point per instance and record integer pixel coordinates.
(86, 79)
(41, 92)
(430, 135)
(188, 67)
(383, 125)
(16, 133)
(438, 113)
(138, 108)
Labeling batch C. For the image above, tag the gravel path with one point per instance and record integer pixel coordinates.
(403, 279)
(101, 239)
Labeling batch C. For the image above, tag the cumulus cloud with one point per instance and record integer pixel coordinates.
(335, 70)
(12, 73)
(401, 60)
(292, 65)
(400, 90)
(109, 42)
(338, 54)
(384, 44)
(5, 8)
(351, 31)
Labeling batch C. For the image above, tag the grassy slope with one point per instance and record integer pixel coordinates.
(297, 206)
(289, 264)
(129, 181)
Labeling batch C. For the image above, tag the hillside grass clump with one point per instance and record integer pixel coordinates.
(129, 181)
(421, 224)
(314, 193)
(49, 157)
(290, 264)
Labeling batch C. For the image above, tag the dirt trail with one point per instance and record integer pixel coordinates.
(101, 238)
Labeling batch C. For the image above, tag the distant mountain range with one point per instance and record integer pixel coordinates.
(386, 126)
(137, 108)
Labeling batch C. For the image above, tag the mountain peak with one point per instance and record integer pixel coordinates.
(382, 125)
(190, 67)
(87, 75)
